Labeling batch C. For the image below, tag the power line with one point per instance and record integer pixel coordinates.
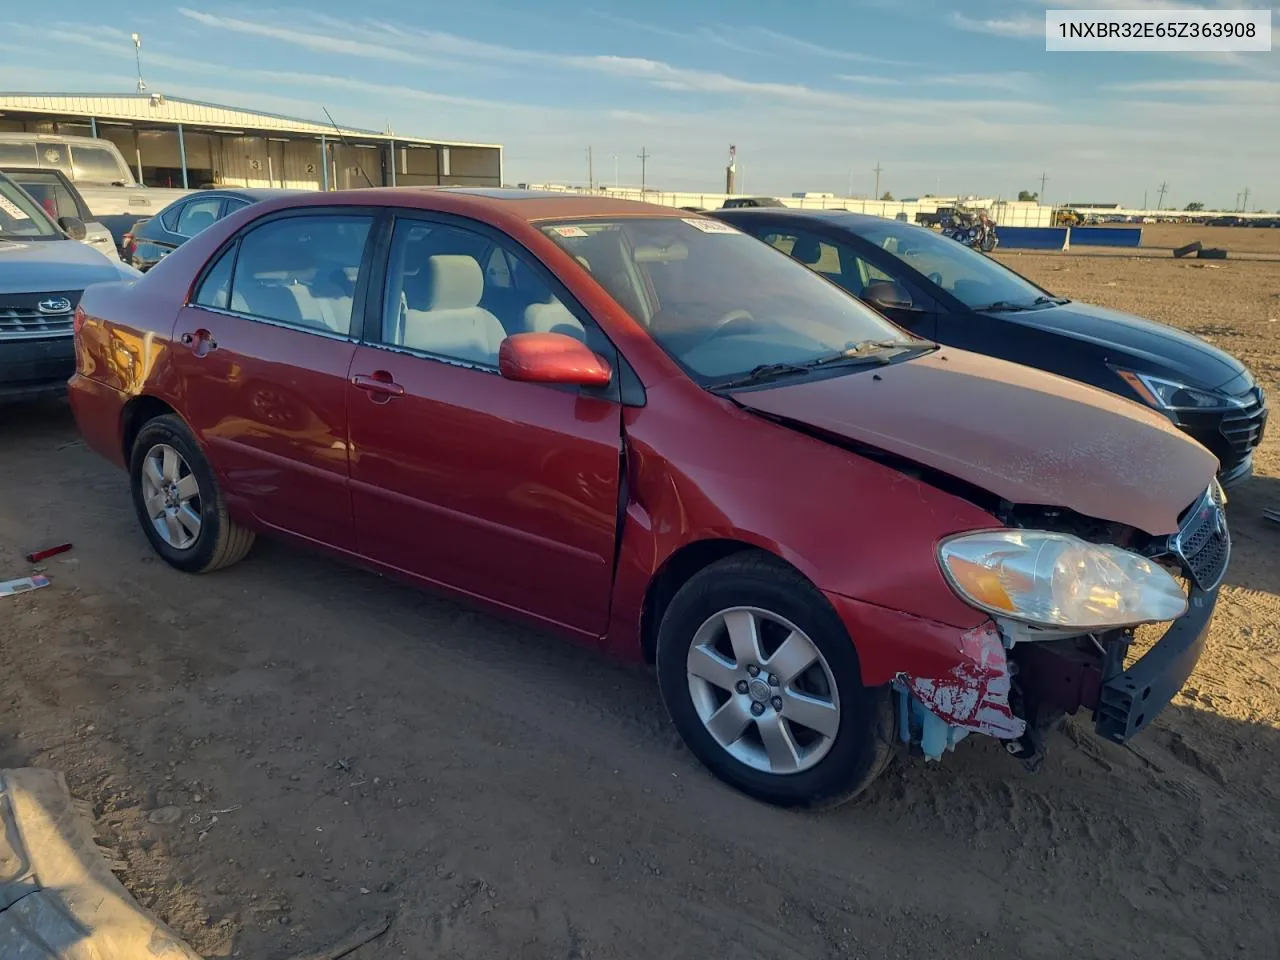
(1044, 178)
(1164, 186)
(1244, 206)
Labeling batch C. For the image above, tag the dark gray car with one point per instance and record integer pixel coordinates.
(150, 241)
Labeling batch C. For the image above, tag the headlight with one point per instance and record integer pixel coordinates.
(1172, 395)
(1057, 580)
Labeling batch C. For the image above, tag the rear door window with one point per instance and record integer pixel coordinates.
(94, 164)
(302, 271)
(197, 215)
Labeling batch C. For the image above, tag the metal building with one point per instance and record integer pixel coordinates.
(172, 142)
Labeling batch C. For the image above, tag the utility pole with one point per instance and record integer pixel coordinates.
(615, 171)
(877, 168)
(137, 56)
(1044, 178)
(1164, 185)
(591, 179)
(1144, 201)
(1244, 205)
(1237, 207)
(643, 157)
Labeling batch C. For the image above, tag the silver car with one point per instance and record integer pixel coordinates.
(43, 272)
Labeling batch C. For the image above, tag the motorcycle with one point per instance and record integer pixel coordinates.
(977, 232)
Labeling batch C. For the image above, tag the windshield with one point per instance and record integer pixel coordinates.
(718, 301)
(971, 277)
(21, 218)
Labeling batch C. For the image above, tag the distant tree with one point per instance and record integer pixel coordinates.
(1026, 196)
(887, 196)
(1195, 206)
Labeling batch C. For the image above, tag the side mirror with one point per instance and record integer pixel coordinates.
(551, 358)
(73, 227)
(887, 295)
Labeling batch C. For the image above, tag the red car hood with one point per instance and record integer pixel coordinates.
(1026, 436)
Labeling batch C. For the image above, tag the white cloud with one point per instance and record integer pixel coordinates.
(1015, 26)
(321, 43)
(872, 80)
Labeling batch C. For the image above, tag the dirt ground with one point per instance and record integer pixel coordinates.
(339, 747)
(1251, 240)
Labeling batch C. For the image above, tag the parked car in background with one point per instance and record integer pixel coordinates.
(60, 198)
(42, 275)
(645, 429)
(149, 241)
(1227, 221)
(94, 165)
(735, 202)
(940, 289)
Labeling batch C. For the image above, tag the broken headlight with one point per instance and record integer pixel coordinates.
(1057, 580)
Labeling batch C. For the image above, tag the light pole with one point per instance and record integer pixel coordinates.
(137, 56)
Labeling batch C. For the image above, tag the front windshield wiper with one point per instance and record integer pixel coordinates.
(865, 351)
(1059, 301)
(1000, 306)
(765, 371)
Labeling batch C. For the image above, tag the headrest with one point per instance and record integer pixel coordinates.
(807, 250)
(457, 282)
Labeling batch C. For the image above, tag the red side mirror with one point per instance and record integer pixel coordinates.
(551, 358)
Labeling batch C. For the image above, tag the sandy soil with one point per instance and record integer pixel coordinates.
(340, 747)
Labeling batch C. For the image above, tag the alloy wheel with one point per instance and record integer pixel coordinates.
(172, 496)
(763, 690)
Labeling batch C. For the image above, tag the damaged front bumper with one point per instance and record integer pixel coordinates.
(1011, 689)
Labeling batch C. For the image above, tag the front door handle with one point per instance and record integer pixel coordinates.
(378, 385)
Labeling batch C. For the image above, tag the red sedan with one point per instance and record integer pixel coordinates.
(645, 429)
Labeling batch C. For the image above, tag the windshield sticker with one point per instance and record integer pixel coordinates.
(710, 226)
(12, 209)
(569, 231)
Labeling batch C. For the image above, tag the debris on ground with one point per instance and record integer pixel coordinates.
(59, 899)
(37, 555)
(11, 588)
(1193, 247)
(351, 942)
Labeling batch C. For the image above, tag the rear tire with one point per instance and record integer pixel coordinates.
(178, 501)
(813, 738)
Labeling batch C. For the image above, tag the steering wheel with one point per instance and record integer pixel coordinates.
(733, 316)
(935, 277)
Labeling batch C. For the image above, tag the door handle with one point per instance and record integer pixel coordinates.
(378, 385)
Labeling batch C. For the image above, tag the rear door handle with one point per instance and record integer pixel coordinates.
(378, 385)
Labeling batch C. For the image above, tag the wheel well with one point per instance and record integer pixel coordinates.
(135, 415)
(675, 573)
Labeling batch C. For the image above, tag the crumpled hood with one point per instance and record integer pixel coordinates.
(46, 266)
(1026, 436)
(1154, 347)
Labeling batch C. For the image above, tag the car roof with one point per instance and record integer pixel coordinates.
(843, 218)
(247, 193)
(529, 205)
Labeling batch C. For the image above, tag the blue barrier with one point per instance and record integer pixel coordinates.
(1106, 236)
(1032, 238)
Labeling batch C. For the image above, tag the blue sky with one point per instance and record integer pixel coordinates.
(961, 98)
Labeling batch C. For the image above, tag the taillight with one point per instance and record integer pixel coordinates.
(77, 321)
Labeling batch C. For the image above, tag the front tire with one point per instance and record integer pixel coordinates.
(178, 502)
(762, 681)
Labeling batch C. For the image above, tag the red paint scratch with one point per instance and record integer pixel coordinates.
(975, 694)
